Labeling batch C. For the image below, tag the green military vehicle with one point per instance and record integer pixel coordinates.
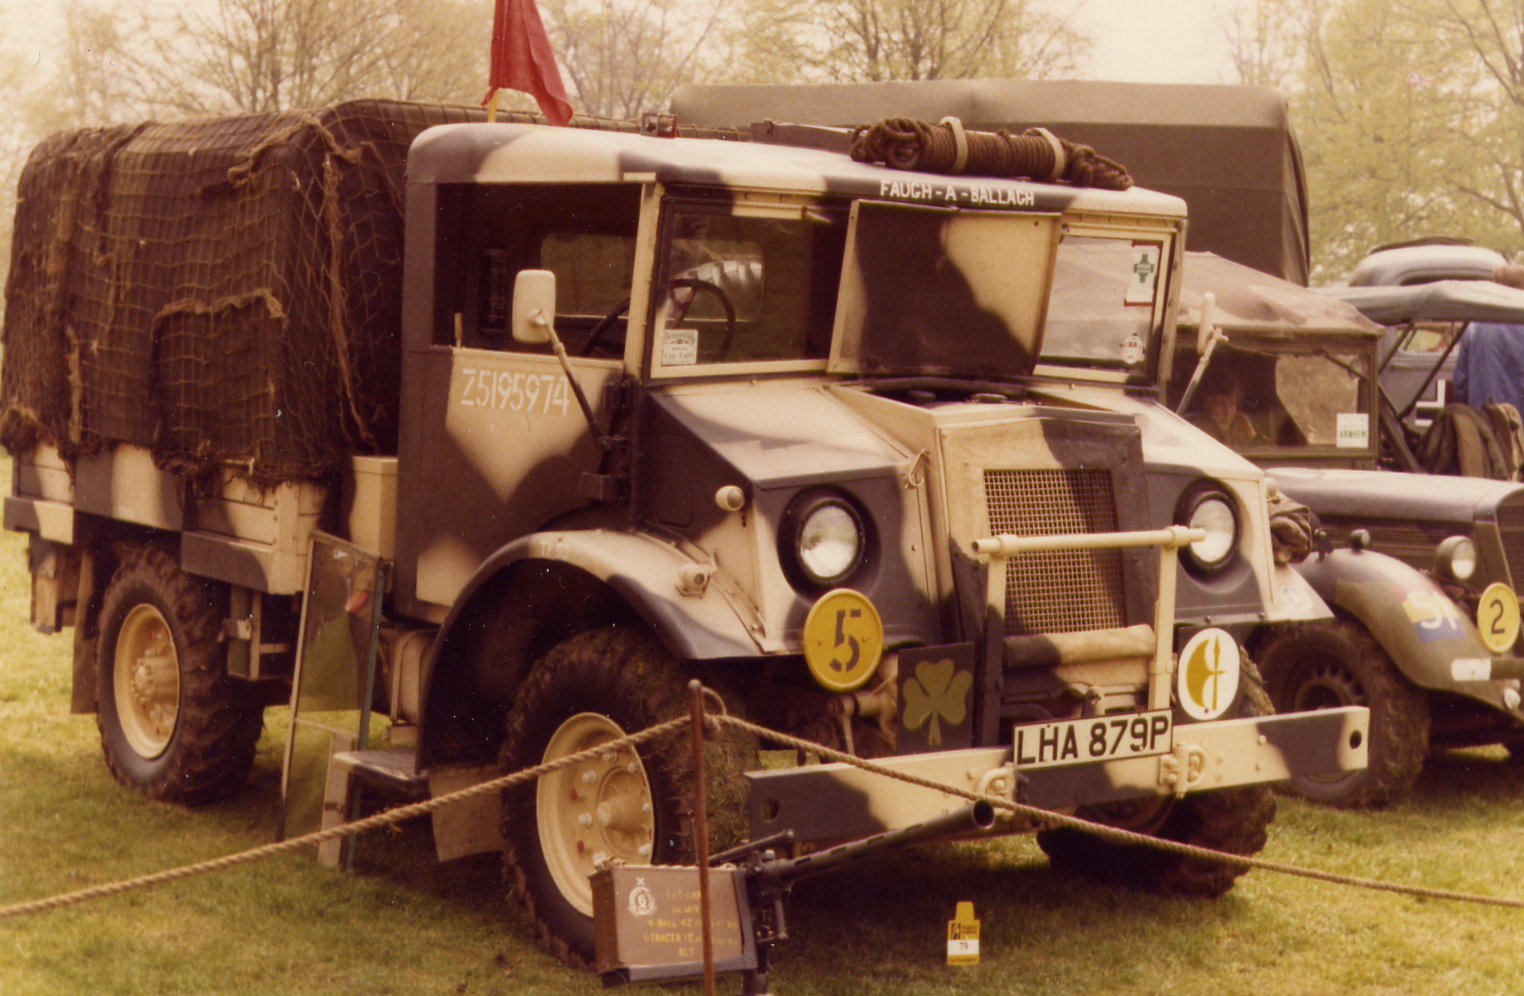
(556, 419)
(1420, 568)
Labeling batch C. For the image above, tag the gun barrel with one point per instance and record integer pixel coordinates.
(976, 816)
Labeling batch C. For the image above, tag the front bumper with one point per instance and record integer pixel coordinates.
(838, 801)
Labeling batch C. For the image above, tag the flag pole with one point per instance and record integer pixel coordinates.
(522, 59)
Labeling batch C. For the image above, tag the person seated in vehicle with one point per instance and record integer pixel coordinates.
(1217, 410)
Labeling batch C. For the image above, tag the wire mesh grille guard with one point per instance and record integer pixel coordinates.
(1511, 529)
(219, 290)
(1061, 591)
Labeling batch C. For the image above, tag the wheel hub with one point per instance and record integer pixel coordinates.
(147, 681)
(592, 812)
(1327, 685)
(154, 680)
(1147, 815)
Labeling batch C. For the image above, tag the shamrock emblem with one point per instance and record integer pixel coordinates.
(938, 692)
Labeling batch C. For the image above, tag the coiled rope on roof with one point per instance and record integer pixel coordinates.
(949, 148)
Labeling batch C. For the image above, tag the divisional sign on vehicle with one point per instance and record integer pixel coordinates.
(1101, 738)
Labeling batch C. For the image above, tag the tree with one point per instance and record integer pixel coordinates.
(1483, 70)
(623, 57)
(850, 41)
(1411, 117)
(1268, 39)
(225, 56)
(266, 55)
(15, 139)
(1376, 110)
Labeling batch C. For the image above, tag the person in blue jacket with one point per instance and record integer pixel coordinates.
(1489, 365)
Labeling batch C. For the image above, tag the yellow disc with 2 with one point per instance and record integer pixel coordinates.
(1497, 617)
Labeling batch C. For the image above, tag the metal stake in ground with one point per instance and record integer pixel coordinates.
(701, 830)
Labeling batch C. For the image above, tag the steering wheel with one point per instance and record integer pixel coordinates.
(607, 321)
(730, 311)
(604, 324)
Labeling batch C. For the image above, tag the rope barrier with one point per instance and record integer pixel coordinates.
(1125, 836)
(397, 814)
(401, 813)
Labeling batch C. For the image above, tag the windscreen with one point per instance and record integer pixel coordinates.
(941, 291)
(1280, 403)
(745, 284)
(1107, 292)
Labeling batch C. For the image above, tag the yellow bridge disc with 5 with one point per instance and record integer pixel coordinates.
(843, 640)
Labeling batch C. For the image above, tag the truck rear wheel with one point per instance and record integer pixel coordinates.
(1322, 666)
(635, 806)
(172, 724)
(1235, 820)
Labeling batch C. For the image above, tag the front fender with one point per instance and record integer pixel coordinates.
(696, 622)
(595, 578)
(1428, 637)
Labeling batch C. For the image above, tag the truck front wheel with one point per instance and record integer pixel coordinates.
(637, 806)
(172, 724)
(1234, 820)
(1322, 666)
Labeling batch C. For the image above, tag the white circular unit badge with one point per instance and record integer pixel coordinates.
(1206, 676)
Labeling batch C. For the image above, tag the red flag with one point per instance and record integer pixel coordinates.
(522, 59)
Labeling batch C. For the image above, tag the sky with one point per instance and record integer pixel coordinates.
(1144, 41)
(1159, 41)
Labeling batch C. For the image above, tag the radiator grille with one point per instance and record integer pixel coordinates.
(1063, 591)
(1511, 529)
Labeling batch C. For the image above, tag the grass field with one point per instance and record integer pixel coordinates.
(403, 924)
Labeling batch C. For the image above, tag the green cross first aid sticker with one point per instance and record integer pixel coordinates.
(1145, 274)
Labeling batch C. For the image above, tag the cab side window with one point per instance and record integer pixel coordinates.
(584, 233)
(749, 288)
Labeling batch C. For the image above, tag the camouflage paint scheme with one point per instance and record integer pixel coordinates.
(896, 424)
(878, 456)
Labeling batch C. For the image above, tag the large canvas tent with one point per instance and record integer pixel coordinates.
(1227, 150)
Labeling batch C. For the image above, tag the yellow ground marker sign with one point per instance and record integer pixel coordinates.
(963, 937)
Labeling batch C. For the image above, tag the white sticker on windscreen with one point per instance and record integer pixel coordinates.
(1353, 429)
(679, 347)
(1132, 350)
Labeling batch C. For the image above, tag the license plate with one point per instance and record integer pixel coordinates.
(1087, 741)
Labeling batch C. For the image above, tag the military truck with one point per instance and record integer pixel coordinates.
(1419, 568)
(875, 454)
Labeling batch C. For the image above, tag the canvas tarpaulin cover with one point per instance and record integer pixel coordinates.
(1229, 151)
(223, 292)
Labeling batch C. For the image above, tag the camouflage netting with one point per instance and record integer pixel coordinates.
(220, 291)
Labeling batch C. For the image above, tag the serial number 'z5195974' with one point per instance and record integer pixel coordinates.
(1102, 738)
